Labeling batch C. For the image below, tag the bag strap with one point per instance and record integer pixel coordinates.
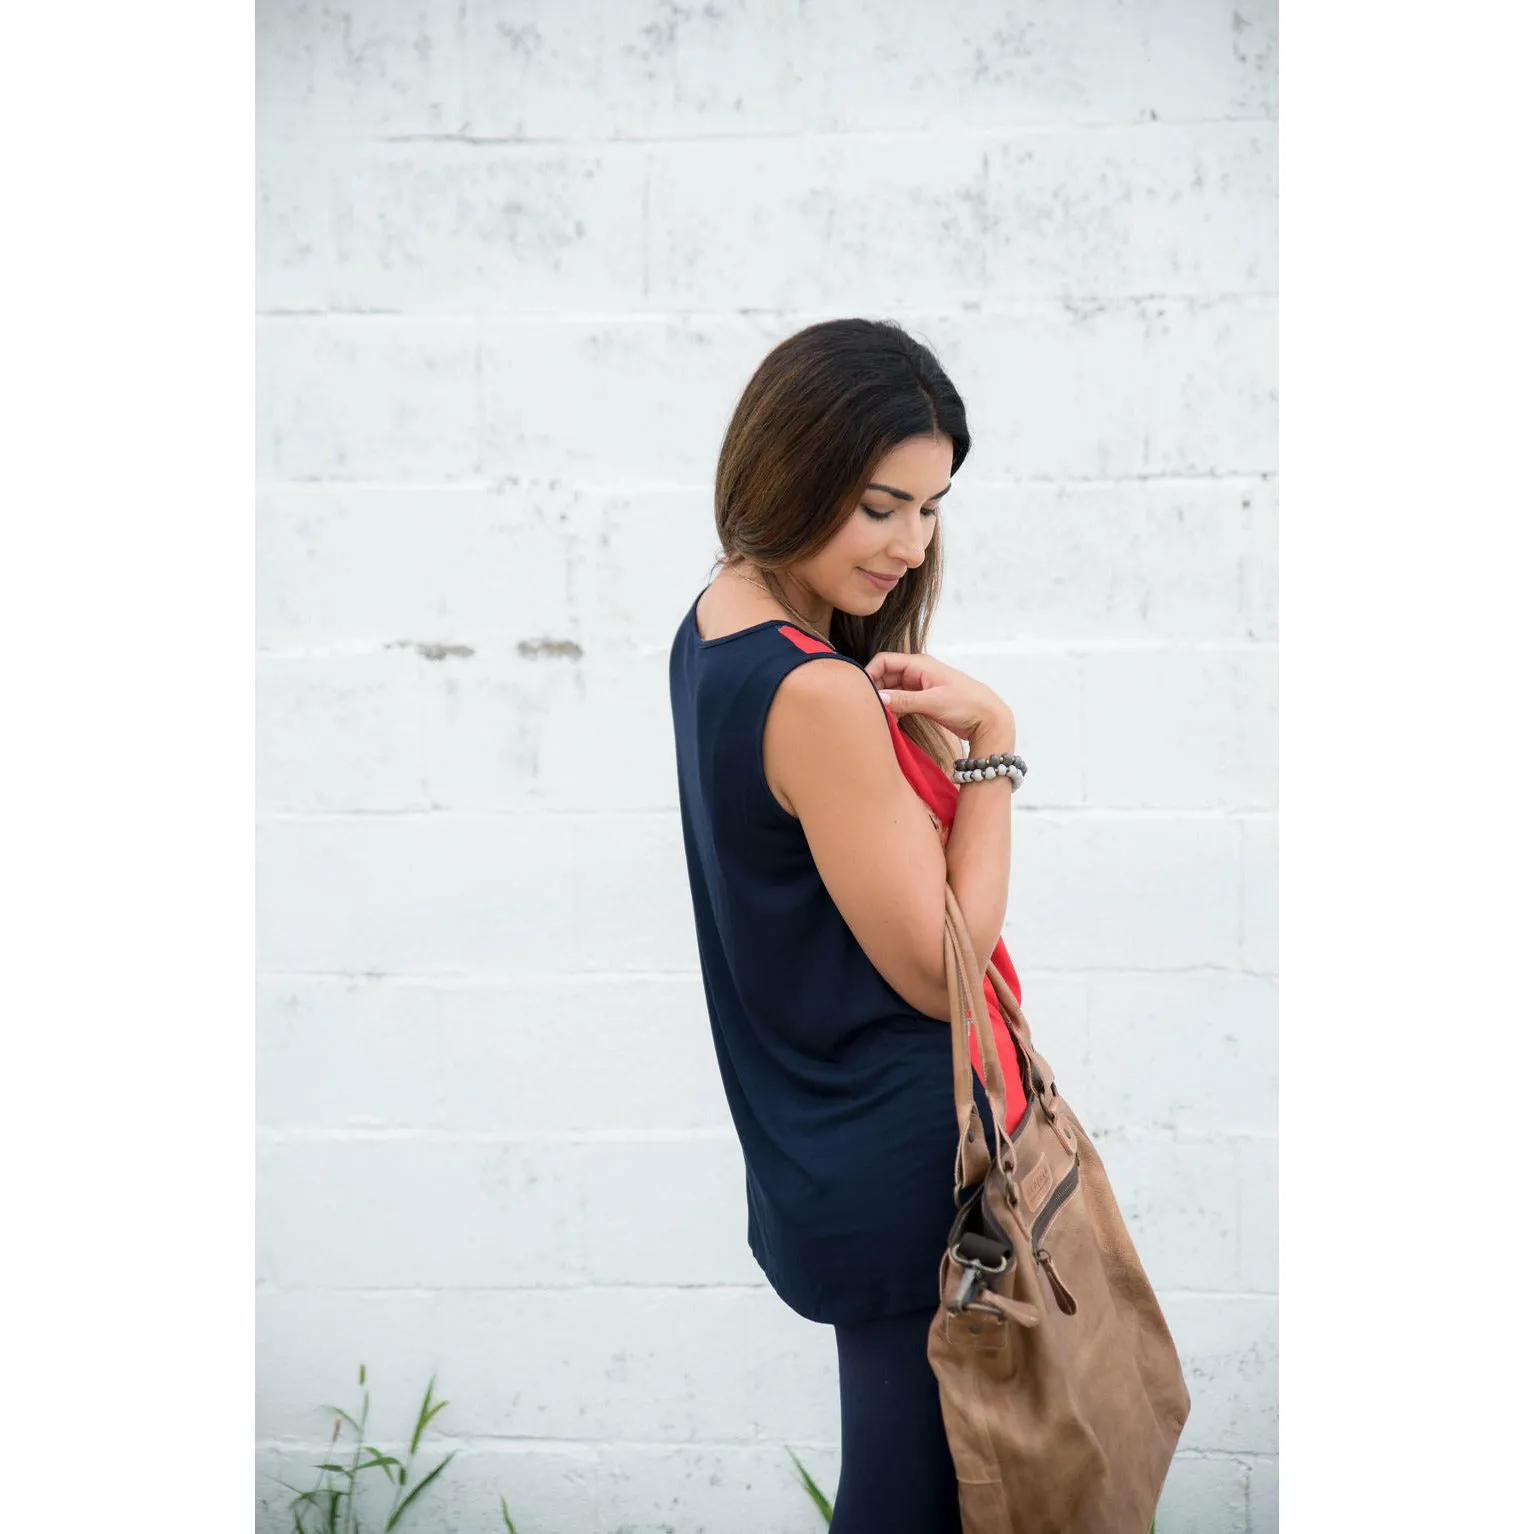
(966, 1005)
(1043, 1082)
(973, 1156)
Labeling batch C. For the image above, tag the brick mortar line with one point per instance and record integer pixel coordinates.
(508, 1443)
(1099, 301)
(548, 481)
(1068, 648)
(554, 479)
(422, 1295)
(296, 1134)
(458, 979)
(979, 308)
(277, 1134)
(530, 1443)
(1062, 812)
(994, 132)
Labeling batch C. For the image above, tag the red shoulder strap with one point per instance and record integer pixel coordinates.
(803, 641)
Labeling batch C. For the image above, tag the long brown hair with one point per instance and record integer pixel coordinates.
(824, 406)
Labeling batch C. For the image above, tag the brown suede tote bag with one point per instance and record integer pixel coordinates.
(1061, 1390)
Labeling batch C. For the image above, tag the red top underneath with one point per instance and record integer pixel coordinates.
(941, 795)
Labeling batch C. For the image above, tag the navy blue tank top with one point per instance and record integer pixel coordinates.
(840, 1091)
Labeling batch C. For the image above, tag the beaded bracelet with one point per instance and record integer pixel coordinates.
(973, 769)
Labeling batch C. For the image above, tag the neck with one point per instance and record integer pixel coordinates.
(803, 604)
(810, 606)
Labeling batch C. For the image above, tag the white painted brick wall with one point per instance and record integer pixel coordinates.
(516, 259)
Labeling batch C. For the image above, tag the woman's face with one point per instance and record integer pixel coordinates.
(888, 532)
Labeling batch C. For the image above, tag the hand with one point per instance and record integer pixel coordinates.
(919, 684)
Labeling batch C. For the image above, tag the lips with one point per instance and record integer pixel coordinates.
(884, 582)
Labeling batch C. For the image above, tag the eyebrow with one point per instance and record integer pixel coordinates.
(905, 495)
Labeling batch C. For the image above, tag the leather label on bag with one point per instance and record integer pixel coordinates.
(1036, 1185)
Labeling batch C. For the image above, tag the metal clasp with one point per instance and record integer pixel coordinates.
(973, 1268)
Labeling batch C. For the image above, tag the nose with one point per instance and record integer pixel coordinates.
(909, 545)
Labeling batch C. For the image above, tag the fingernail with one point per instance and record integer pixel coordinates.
(884, 697)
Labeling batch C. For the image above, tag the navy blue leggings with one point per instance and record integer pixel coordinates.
(897, 1474)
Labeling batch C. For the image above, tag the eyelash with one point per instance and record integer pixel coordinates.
(884, 516)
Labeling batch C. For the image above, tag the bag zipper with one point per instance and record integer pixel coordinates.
(1067, 1186)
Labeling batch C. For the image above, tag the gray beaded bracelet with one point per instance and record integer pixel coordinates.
(974, 769)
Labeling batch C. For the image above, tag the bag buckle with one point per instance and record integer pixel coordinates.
(974, 1268)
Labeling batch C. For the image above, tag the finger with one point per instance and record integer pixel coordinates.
(889, 668)
(900, 702)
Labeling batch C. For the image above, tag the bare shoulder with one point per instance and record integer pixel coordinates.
(825, 709)
(831, 691)
(828, 756)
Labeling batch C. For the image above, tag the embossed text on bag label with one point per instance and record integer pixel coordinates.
(1036, 1185)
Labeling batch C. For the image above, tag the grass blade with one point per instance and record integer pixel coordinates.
(511, 1528)
(423, 1416)
(416, 1490)
(816, 1495)
(380, 1458)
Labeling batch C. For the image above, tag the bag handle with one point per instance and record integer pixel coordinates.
(974, 1156)
(966, 1005)
(1012, 1011)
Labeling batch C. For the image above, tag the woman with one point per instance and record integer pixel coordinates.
(819, 822)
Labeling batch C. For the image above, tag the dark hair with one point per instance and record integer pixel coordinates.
(824, 406)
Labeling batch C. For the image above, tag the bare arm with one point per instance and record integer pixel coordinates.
(826, 746)
(979, 850)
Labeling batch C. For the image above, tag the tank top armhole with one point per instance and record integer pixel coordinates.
(780, 816)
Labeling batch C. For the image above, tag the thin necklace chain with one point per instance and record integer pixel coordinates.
(797, 615)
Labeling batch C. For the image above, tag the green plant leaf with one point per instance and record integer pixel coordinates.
(425, 1418)
(416, 1490)
(511, 1528)
(816, 1495)
(345, 1416)
(426, 1413)
(380, 1458)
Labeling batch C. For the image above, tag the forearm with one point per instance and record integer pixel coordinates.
(979, 850)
